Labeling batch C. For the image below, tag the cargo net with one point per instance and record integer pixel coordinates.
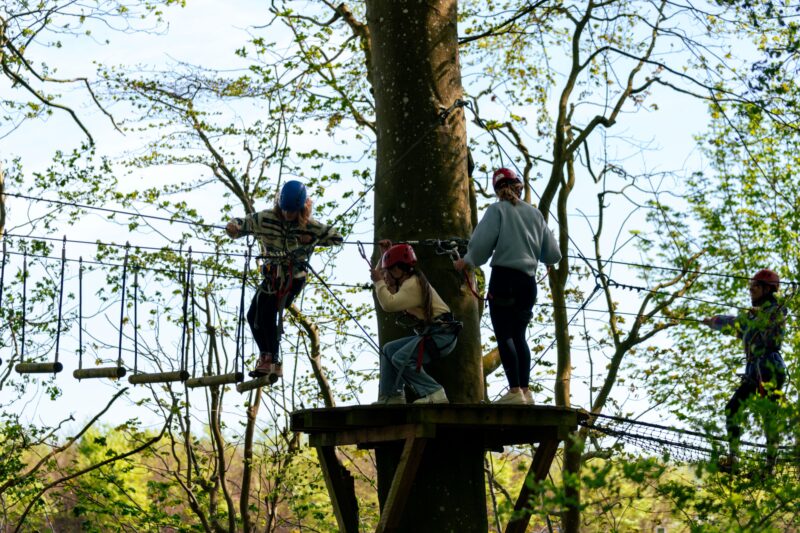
(686, 446)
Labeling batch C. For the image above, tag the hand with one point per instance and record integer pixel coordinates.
(232, 229)
(708, 321)
(459, 264)
(384, 244)
(305, 238)
(376, 274)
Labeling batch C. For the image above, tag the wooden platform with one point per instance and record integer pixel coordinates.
(370, 426)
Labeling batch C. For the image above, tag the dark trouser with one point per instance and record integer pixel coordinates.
(264, 316)
(512, 294)
(772, 374)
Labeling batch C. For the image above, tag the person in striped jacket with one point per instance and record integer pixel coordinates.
(288, 235)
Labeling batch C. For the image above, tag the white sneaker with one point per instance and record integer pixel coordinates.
(435, 397)
(397, 399)
(511, 398)
(528, 395)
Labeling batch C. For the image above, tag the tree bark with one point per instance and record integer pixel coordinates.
(422, 192)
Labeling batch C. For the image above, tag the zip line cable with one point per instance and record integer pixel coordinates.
(360, 244)
(374, 344)
(109, 210)
(60, 298)
(368, 286)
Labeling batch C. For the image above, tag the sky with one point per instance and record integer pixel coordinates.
(205, 34)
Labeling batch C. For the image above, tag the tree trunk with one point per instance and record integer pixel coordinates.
(2, 204)
(571, 515)
(424, 194)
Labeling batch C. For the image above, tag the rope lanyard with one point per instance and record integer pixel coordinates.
(80, 313)
(239, 358)
(363, 253)
(61, 296)
(24, 300)
(184, 355)
(122, 305)
(194, 323)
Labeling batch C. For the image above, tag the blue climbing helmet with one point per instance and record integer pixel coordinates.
(293, 196)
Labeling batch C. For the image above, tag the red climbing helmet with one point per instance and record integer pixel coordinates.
(766, 276)
(399, 253)
(504, 174)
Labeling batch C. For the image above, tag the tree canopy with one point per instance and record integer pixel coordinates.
(658, 139)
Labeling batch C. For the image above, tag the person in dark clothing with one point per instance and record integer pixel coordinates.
(288, 234)
(761, 329)
(516, 235)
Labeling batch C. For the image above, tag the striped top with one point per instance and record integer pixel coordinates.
(282, 236)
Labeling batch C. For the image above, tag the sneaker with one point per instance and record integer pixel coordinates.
(528, 395)
(397, 399)
(263, 367)
(435, 397)
(511, 398)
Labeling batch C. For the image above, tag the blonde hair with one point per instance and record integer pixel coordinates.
(302, 218)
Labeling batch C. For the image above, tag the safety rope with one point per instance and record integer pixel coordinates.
(359, 243)
(581, 308)
(135, 319)
(122, 306)
(113, 211)
(60, 296)
(374, 344)
(24, 301)
(80, 313)
(240, 318)
(183, 359)
(440, 120)
(194, 323)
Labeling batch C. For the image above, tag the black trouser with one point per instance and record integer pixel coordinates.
(772, 375)
(512, 294)
(264, 316)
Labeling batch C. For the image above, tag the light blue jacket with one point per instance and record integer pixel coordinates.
(517, 234)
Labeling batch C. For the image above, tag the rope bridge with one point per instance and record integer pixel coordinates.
(683, 445)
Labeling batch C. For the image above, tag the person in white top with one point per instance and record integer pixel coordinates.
(401, 287)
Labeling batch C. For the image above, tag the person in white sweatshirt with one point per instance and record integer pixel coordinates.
(401, 287)
(516, 236)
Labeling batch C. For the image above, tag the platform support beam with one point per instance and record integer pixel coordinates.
(401, 484)
(540, 467)
(341, 488)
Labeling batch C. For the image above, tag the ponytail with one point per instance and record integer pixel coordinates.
(425, 287)
(510, 193)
